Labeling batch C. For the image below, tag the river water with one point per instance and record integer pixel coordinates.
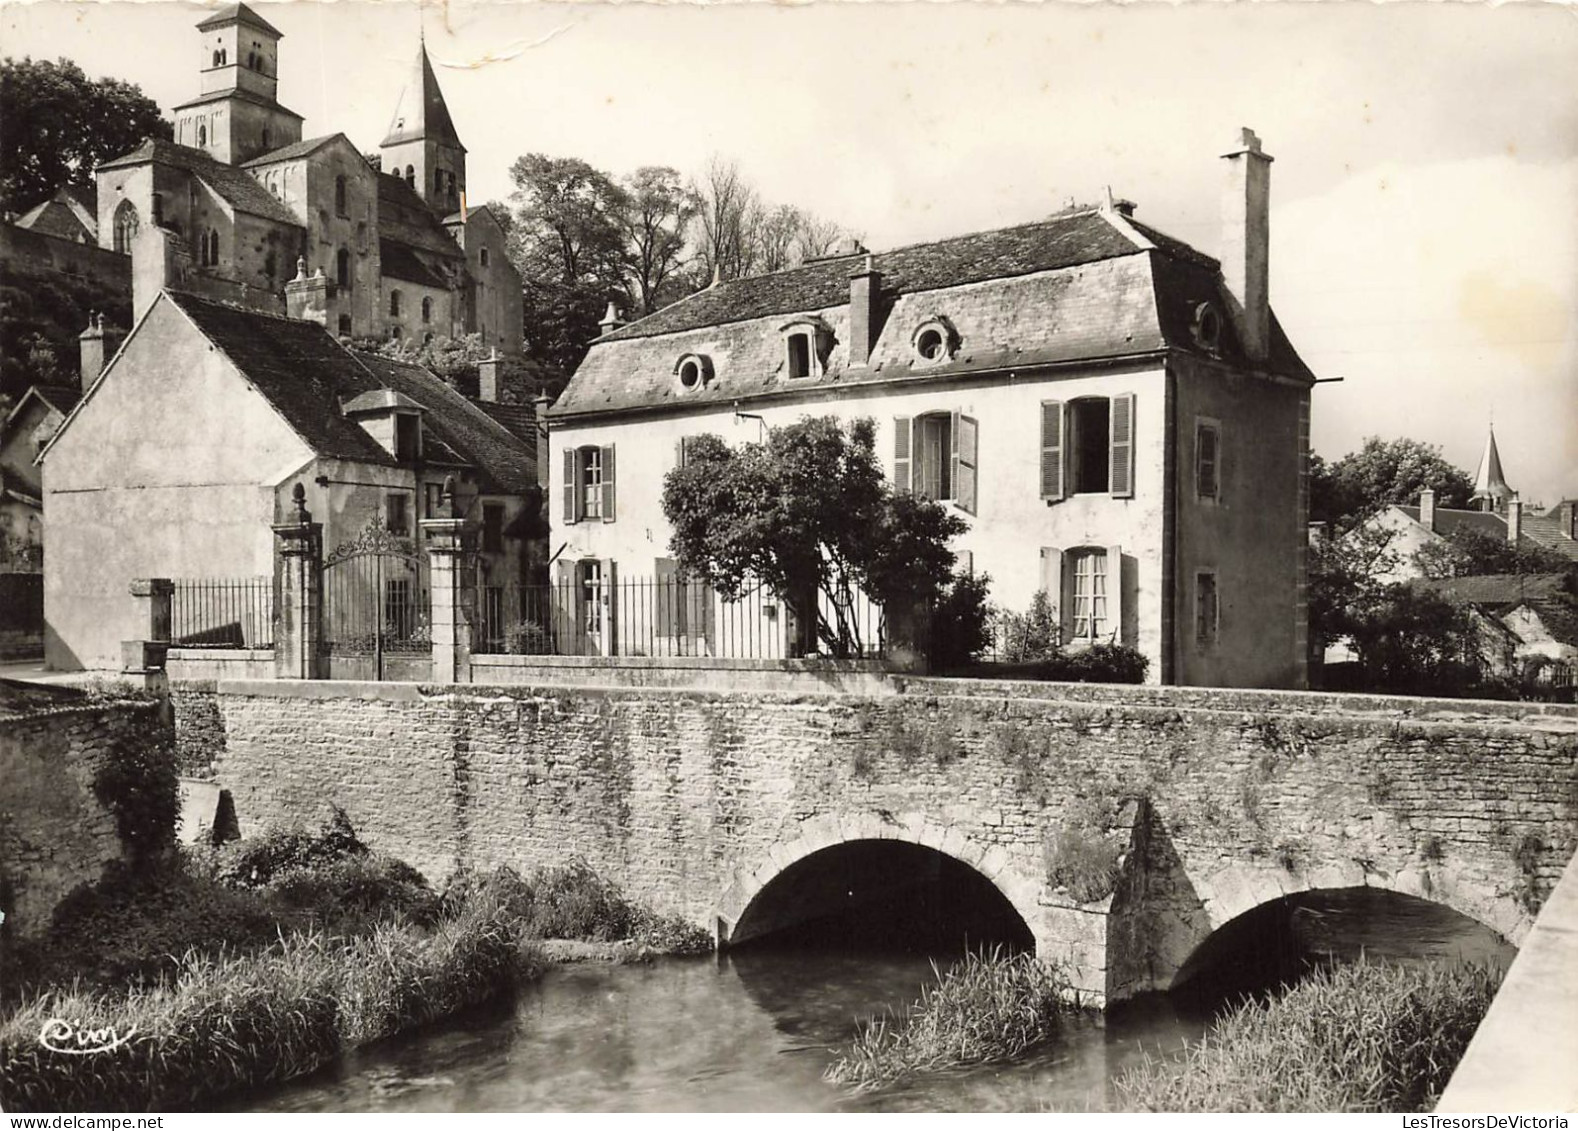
(753, 1030)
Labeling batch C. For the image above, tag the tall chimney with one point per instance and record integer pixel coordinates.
(864, 285)
(488, 378)
(98, 345)
(1246, 230)
(1427, 509)
(1567, 519)
(1514, 519)
(307, 297)
(539, 407)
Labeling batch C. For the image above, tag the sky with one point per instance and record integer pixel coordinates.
(1424, 215)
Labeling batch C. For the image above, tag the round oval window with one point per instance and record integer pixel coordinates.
(1210, 326)
(930, 344)
(690, 374)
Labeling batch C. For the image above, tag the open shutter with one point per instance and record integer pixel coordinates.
(669, 599)
(902, 462)
(679, 452)
(1115, 593)
(1051, 451)
(571, 495)
(1052, 582)
(567, 611)
(610, 605)
(965, 449)
(1122, 447)
(608, 483)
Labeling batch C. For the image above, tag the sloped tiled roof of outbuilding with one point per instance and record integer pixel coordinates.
(501, 459)
(1544, 530)
(236, 186)
(1448, 521)
(308, 376)
(1499, 589)
(398, 260)
(1084, 285)
(403, 215)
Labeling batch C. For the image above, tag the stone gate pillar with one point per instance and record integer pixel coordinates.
(446, 576)
(298, 563)
(153, 597)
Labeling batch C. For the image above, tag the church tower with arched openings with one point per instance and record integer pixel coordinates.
(237, 116)
(421, 146)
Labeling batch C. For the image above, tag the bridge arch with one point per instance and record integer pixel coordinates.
(1231, 895)
(821, 833)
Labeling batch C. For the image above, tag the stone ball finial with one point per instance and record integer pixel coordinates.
(301, 267)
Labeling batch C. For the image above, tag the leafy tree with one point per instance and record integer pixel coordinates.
(1381, 473)
(1413, 641)
(1343, 583)
(60, 124)
(961, 624)
(728, 214)
(658, 211)
(808, 514)
(567, 241)
(1465, 552)
(41, 314)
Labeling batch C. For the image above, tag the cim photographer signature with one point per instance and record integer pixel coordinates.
(58, 1035)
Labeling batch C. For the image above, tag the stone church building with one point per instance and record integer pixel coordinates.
(229, 207)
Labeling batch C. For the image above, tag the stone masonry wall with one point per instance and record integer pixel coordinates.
(54, 832)
(1124, 826)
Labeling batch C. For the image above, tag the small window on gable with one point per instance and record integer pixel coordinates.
(483, 256)
(339, 196)
(394, 304)
(342, 268)
(1207, 614)
(1208, 460)
(397, 513)
(410, 177)
(427, 309)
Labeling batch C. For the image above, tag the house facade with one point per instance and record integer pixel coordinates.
(249, 406)
(1118, 418)
(230, 205)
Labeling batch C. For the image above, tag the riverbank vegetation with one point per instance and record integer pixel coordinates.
(985, 1008)
(1361, 1038)
(211, 970)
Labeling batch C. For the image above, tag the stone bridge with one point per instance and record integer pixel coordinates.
(1123, 826)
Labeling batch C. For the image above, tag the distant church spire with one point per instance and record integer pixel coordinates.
(422, 114)
(422, 147)
(1490, 485)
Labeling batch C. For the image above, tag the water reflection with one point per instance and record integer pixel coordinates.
(753, 1030)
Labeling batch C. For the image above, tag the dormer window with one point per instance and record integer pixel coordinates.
(934, 340)
(806, 343)
(408, 437)
(694, 370)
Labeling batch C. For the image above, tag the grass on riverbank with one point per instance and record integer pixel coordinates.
(1361, 1038)
(226, 1022)
(982, 1009)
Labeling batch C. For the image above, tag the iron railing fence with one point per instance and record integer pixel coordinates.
(376, 603)
(665, 617)
(222, 612)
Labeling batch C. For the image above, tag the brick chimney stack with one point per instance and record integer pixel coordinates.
(611, 319)
(1246, 236)
(97, 345)
(1427, 509)
(1567, 518)
(1514, 519)
(307, 297)
(864, 320)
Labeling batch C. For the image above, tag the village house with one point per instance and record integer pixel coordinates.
(1499, 514)
(247, 407)
(1118, 417)
(1526, 624)
(229, 205)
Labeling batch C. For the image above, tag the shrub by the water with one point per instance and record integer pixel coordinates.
(227, 1022)
(982, 1009)
(1360, 1038)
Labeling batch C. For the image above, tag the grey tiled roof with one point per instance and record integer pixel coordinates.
(291, 152)
(239, 12)
(242, 95)
(230, 182)
(1544, 530)
(398, 260)
(1082, 286)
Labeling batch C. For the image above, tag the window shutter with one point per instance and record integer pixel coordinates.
(566, 608)
(1115, 608)
(1051, 451)
(571, 494)
(610, 604)
(679, 452)
(608, 484)
(965, 449)
(1122, 447)
(1052, 582)
(901, 454)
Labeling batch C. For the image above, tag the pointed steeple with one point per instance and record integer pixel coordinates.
(1490, 485)
(421, 114)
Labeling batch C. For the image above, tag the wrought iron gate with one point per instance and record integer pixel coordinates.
(376, 605)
